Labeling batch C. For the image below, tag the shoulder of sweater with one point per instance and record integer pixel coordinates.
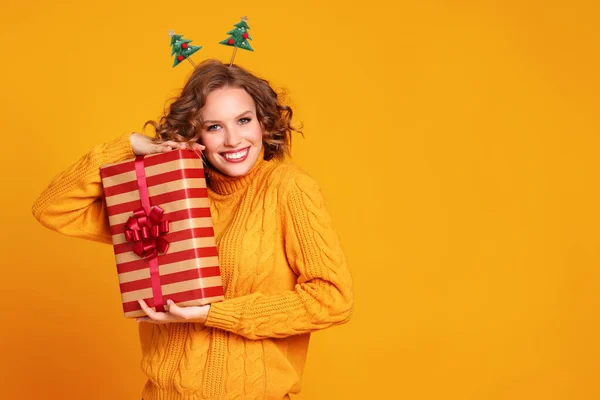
(284, 173)
(286, 177)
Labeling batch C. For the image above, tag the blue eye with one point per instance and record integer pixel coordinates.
(245, 119)
(211, 128)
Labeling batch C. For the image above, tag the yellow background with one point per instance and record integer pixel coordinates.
(456, 143)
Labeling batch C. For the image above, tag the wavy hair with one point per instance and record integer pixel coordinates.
(183, 120)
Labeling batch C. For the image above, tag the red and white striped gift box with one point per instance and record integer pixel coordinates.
(188, 271)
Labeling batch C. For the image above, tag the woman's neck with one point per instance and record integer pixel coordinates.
(225, 184)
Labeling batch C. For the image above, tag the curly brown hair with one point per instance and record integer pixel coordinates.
(183, 120)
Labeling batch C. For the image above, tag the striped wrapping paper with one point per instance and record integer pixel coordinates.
(188, 273)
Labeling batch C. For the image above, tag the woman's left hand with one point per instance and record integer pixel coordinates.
(175, 314)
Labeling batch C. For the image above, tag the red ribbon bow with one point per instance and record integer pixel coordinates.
(146, 230)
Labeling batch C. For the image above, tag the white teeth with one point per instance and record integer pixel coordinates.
(235, 156)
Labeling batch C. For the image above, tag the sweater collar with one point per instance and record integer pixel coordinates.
(225, 184)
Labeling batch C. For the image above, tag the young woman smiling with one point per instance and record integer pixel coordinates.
(283, 269)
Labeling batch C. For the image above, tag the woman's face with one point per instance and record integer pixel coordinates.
(231, 132)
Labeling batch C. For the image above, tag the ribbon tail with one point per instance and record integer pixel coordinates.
(156, 288)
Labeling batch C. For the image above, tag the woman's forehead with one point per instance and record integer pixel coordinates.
(225, 103)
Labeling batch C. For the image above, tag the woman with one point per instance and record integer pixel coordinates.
(284, 273)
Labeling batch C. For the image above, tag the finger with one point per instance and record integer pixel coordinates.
(155, 316)
(149, 312)
(177, 311)
(145, 308)
(160, 148)
(172, 143)
(194, 146)
(177, 145)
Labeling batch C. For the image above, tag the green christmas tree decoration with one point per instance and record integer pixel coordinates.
(238, 38)
(181, 48)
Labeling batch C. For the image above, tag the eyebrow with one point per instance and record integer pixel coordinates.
(239, 116)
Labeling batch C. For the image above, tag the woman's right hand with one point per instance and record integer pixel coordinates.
(143, 145)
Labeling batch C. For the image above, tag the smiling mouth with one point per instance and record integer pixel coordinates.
(236, 155)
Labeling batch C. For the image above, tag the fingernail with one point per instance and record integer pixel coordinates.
(170, 302)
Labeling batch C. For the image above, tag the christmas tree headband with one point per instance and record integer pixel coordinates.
(238, 37)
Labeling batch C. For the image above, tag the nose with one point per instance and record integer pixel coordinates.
(232, 138)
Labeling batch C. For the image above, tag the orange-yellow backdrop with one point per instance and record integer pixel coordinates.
(456, 143)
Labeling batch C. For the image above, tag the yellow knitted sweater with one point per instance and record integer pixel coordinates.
(283, 270)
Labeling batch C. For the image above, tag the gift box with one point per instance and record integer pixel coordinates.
(162, 231)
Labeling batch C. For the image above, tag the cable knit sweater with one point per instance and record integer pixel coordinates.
(283, 270)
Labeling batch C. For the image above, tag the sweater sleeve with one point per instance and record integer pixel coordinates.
(73, 203)
(323, 294)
